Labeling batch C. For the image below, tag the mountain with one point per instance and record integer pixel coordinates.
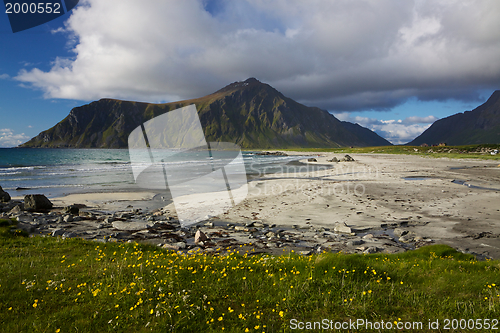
(366, 134)
(250, 113)
(481, 125)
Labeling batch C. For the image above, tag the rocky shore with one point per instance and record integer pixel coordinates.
(161, 229)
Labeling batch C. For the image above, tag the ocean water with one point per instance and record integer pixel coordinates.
(57, 172)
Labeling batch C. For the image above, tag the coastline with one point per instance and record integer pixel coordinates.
(376, 203)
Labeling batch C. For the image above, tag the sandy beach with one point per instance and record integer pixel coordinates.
(377, 197)
(451, 201)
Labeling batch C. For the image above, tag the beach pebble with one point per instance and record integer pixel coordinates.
(343, 228)
(175, 246)
(355, 242)
(371, 249)
(409, 237)
(131, 226)
(398, 232)
(25, 218)
(16, 210)
(71, 209)
(200, 237)
(58, 232)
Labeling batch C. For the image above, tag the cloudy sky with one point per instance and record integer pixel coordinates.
(390, 65)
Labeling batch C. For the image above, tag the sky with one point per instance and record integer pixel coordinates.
(390, 65)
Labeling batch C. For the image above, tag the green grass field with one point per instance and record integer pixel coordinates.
(54, 285)
(470, 151)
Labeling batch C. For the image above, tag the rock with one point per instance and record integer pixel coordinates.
(398, 232)
(200, 237)
(4, 196)
(343, 228)
(368, 236)
(305, 253)
(37, 202)
(25, 218)
(16, 210)
(131, 226)
(355, 242)
(371, 249)
(347, 158)
(270, 234)
(312, 160)
(333, 160)
(175, 246)
(120, 235)
(68, 218)
(72, 209)
(407, 238)
(58, 232)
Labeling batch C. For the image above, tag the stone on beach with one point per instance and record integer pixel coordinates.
(200, 237)
(175, 246)
(71, 209)
(131, 226)
(4, 196)
(342, 228)
(347, 158)
(37, 202)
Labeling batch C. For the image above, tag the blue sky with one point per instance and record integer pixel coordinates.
(392, 66)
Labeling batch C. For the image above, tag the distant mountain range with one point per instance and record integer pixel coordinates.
(250, 113)
(481, 125)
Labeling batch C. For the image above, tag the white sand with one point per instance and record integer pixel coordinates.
(372, 190)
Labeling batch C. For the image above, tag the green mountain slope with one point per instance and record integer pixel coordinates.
(250, 113)
(481, 125)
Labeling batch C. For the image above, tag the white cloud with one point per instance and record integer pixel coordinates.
(420, 120)
(338, 55)
(396, 131)
(9, 139)
(4, 76)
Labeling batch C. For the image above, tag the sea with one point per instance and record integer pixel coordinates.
(59, 172)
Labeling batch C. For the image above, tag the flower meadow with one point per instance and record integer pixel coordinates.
(54, 285)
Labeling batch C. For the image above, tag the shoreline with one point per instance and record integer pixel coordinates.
(376, 203)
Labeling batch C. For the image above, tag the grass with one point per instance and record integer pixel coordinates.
(54, 285)
(470, 151)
